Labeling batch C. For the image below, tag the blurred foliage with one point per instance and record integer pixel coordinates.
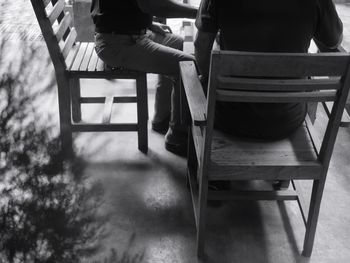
(48, 213)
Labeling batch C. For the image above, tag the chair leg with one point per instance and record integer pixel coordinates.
(75, 95)
(192, 162)
(142, 112)
(315, 203)
(65, 115)
(201, 213)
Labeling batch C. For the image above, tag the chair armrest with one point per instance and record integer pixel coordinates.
(341, 49)
(196, 99)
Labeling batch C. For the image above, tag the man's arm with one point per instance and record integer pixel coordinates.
(328, 35)
(203, 45)
(167, 8)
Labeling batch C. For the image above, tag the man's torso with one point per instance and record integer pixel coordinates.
(123, 16)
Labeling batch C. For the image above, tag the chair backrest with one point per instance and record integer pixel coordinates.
(56, 28)
(280, 77)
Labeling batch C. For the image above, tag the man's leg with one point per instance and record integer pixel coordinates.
(150, 53)
(161, 54)
(166, 96)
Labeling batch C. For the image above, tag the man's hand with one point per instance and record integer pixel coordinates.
(160, 28)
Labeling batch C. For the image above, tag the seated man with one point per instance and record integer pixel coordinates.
(126, 37)
(263, 26)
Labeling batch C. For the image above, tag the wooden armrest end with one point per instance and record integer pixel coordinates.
(196, 99)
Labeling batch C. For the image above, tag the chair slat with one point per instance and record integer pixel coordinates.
(280, 64)
(93, 61)
(97, 127)
(87, 57)
(233, 83)
(56, 11)
(122, 99)
(275, 97)
(80, 56)
(69, 42)
(71, 56)
(100, 66)
(63, 26)
(46, 2)
(301, 170)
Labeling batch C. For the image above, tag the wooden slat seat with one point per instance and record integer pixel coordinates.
(72, 61)
(256, 158)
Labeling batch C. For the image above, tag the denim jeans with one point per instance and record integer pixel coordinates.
(151, 53)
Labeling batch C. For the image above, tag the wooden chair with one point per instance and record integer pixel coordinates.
(244, 77)
(73, 61)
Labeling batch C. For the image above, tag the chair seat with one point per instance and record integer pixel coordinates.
(83, 61)
(237, 158)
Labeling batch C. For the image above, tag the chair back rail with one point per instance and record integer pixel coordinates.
(55, 26)
(284, 65)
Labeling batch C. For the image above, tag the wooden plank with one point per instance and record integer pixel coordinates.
(90, 127)
(79, 58)
(233, 83)
(93, 61)
(291, 65)
(295, 150)
(89, 50)
(107, 110)
(71, 55)
(300, 171)
(275, 97)
(281, 195)
(100, 66)
(194, 92)
(56, 11)
(103, 74)
(46, 2)
(69, 42)
(122, 99)
(63, 26)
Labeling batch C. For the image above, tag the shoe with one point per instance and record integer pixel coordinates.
(161, 126)
(176, 142)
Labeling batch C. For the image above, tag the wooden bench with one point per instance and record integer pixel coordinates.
(74, 61)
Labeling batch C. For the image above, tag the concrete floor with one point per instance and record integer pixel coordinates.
(146, 210)
(147, 202)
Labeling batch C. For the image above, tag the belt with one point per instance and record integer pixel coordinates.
(120, 32)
